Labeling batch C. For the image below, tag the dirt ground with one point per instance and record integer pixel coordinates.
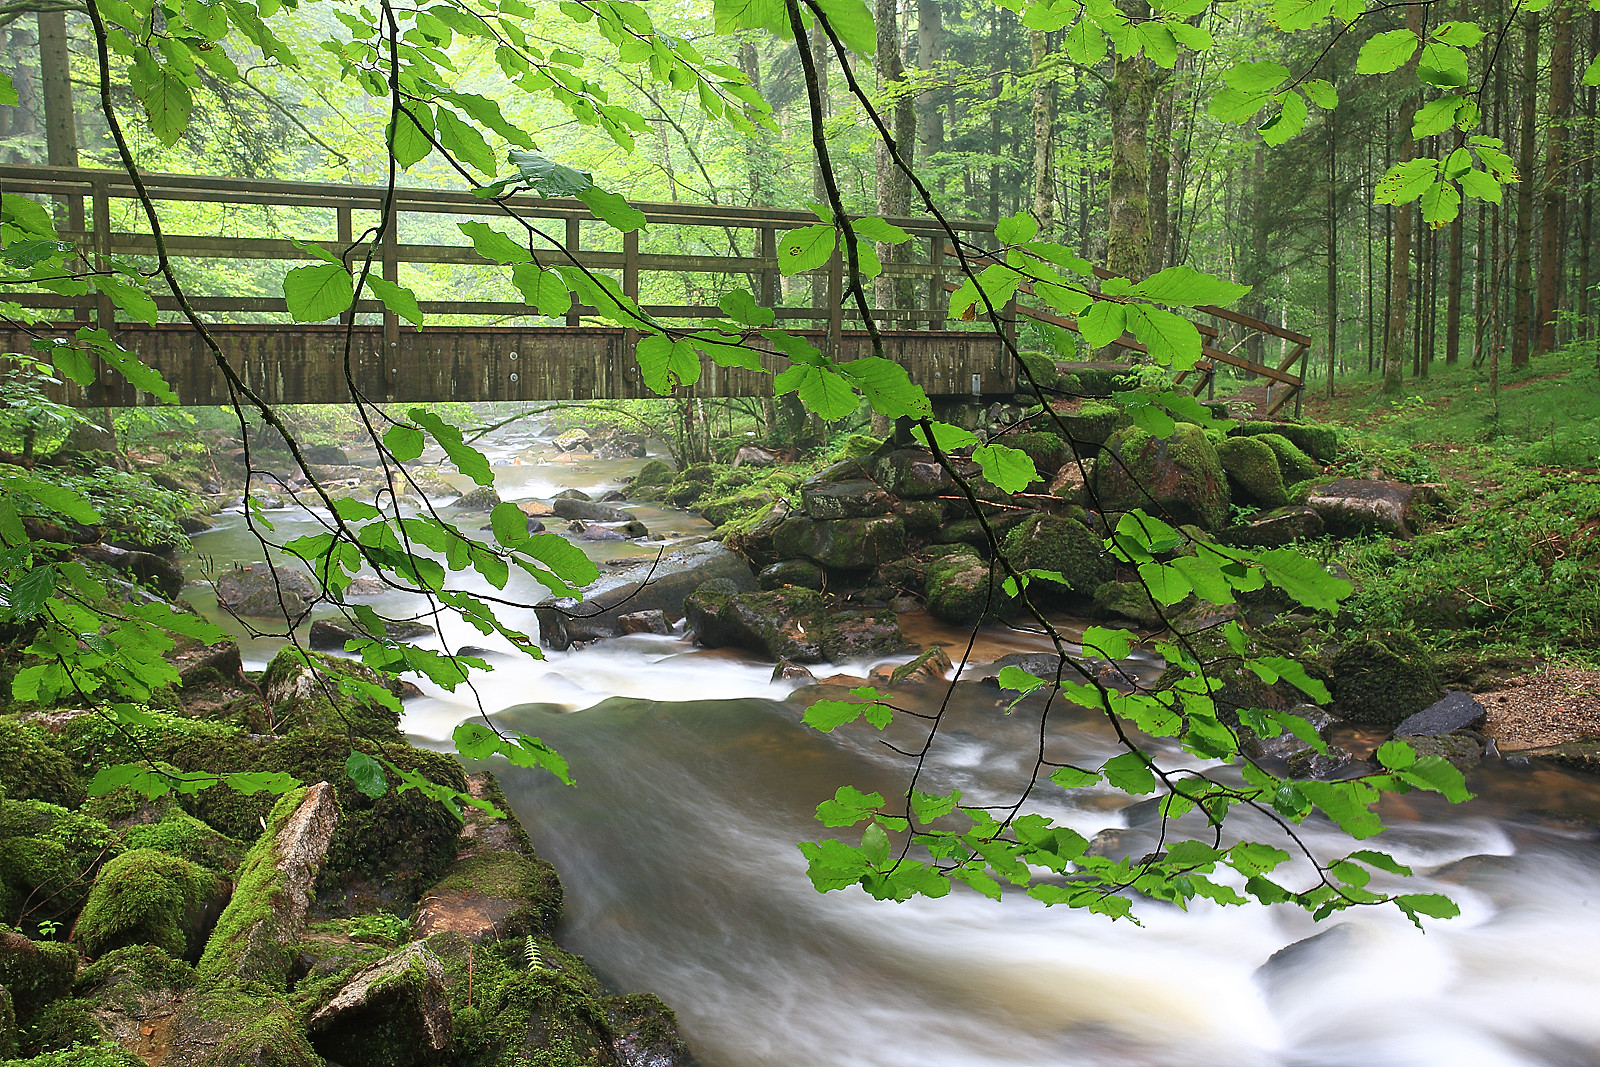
(1557, 705)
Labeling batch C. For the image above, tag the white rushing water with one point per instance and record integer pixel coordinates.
(696, 779)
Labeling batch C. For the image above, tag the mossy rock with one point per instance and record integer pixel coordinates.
(788, 623)
(63, 1024)
(842, 544)
(49, 852)
(1295, 464)
(654, 472)
(1088, 381)
(518, 894)
(734, 507)
(961, 588)
(318, 691)
(244, 1026)
(118, 977)
(1383, 678)
(1047, 450)
(1252, 465)
(1127, 600)
(145, 897)
(1041, 367)
(32, 765)
(1317, 440)
(105, 1054)
(1178, 476)
(801, 572)
(35, 972)
(8, 1024)
(1066, 546)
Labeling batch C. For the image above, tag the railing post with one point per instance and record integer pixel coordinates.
(835, 303)
(105, 311)
(346, 236)
(391, 323)
(574, 238)
(936, 304)
(630, 264)
(769, 277)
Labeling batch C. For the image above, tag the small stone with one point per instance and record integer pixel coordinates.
(1457, 711)
(645, 622)
(483, 498)
(789, 671)
(573, 440)
(535, 509)
(931, 666)
(754, 456)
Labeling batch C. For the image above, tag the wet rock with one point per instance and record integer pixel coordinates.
(1252, 468)
(483, 498)
(1383, 678)
(931, 666)
(912, 473)
(147, 568)
(535, 525)
(209, 664)
(254, 938)
(572, 440)
(754, 456)
(1287, 744)
(331, 635)
(1357, 505)
(650, 585)
(535, 509)
(801, 572)
(1093, 423)
(646, 1033)
(788, 624)
(1063, 545)
(302, 690)
(789, 671)
(645, 622)
(1335, 763)
(1072, 481)
(571, 508)
(1583, 756)
(1038, 664)
(613, 496)
(596, 532)
(243, 1027)
(327, 455)
(1456, 711)
(1120, 843)
(842, 544)
(1462, 750)
(572, 494)
(1178, 476)
(655, 472)
(1130, 600)
(1305, 959)
(1048, 451)
(1276, 528)
(753, 538)
(845, 500)
(261, 591)
(960, 588)
(394, 1013)
(922, 518)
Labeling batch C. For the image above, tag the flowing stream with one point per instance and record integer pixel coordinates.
(696, 779)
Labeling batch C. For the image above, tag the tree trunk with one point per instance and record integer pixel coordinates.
(1130, 96)
(1161, 173)
(821, 59)
(1552, 253)
(930, 51)
(1394, 336)
(1044, 123)
(755, 146)
(894, 187)
(1333, 252)
(55, 75)
(1522, 323)
(1586, 234)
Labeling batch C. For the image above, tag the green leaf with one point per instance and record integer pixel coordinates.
(1018, 680)
(1104, 323)
(1073, 777)
(1396, 755)
(1183, 286)
(463, 140)
(1591, 73)
(852, 21)
(398, 299)
(404, 442)
(1303, 579)
(1406, 181)
(410, 141)
(872, 228)
(541, 289)
(666, 364)
(1295, 15)
(1131, 773)
(1440, 204)
(130, 298)
(493, 245)
(549, 178)
(1085, 44)
(1235, 105)
(1385, 52)
(166, 99)
(367, 774)
(1108, 644)
(1460, 34)
(613, 210)
(8, 92)
(806, 248)
(28, 594)
(1433, 905)
(1480, 185)
(1010, 470)
(1288, 122)
(1444, 66)
(927, 807)
(740, 306)
(1321, 93)
(949, 438)
(468, 460)
(1171, 339)
(319, 292)
(887, 387)
(1167, 585)
(1435, 116)
(1255, 77)
(69, 502)
(848, 807)
(822, 392)
(1159, 44)
(1016, 230)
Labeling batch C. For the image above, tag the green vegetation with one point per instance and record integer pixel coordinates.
(145, 897)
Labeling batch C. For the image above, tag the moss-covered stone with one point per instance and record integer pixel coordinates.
(1093, 423)
(1062, 545)
(50, 853)
(1178, 476)
(1128, 600)
(1047, 451)
(141, 967)
(1295, 464)
(1317, 440)
(149, 897)
(1384, 677)
(241, 1026)
(735, 506)
(510, 893)
(1041, 368)
(35, 972)
(8, 1024)
(1252, 466)
(32, 765)
(62, 1025)
(789, 623)
(317, 691)
(961, 587)
(654, 472)
(801, 572)
(393, 1013)
(101, 1055)
(842, 544)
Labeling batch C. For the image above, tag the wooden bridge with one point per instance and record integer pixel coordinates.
(488, 348)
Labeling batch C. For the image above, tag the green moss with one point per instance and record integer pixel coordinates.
(141, 966)
(1047, 451)
(1383, 677)
(510, 876)
(1041, 367)
(144, 897)
(181, 834)
(50, 853)
(734, 507)
(1320, 441)
(62, 1025)
(1295, 464)
(654, 472)
(243, 1025)
(1178, 476)
(102, 1055)
(960, 588)
(1065, 546)
(8, 1024)
(317, 691)
(1127, 600)
(36, 972)
(33, 766)
(1252, 464)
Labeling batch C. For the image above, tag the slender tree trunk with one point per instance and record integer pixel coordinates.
(55, 74)
(1552, 253)
(1586, 234)
(1044, 125)
(1522, 323)
(1130, 95)
(930, 52)
(1394, 337)
(820, 57)
(755, 147)
(894, 187)
(996, 85)
(1161, 171)
(1333, 250)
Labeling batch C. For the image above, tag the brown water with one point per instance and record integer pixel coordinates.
(696, 779)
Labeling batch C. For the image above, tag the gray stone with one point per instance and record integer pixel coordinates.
(1457, 711)
(754, 456)
(595, 532)
(645, 622)
(649, 585)
(845, 500)
(801, 572)
(483, 498)
(158, 572)
(394, 1013)
(571, 508)
(327, 634)
(912, 473)
(572, 494)
(573, 440)
(1276, 528)
(842, 544)
(790, 623)
(261, 591)
(1358, 505)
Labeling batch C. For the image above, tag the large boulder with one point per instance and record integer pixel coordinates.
(650, 586)
(1276, 528)
(32, 765)
(255, 936)
(1318, 441)
(35, 972)
(842, 544)
(245, 1026)
(314, 690)
(1252, 467)
(1454, 711)
(146, 897)
(1047, 450)
(1092, 423)
(570, 508)
(49, 853)
(262, 591)
(911, 473)
(654, 472)
(1178, 477)
(845, 500)
(147, 568)
(393, 1013)
(1359, 505)
(1065, 546)
(481, 498)
(1129, 600)
(1383, 678)
(961, 588)
(791, 623)
(328, 635)
(1295, 464)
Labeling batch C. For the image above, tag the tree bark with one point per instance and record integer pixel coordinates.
(930, 52)
(820, 58)
(1333, 251)
(1130, 95)
(1452, 297)
(894, 187)
(1586, 234)
(1394, 336)
(1522, 324)
(1552, 253)
(1161, 173)
(1044, 124)
(55, 75)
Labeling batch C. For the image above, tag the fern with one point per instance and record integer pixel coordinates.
(530, 949)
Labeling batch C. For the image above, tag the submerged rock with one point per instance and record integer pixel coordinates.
(263, 591)
(790, 623)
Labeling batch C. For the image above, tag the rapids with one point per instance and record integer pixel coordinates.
(696, 779)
